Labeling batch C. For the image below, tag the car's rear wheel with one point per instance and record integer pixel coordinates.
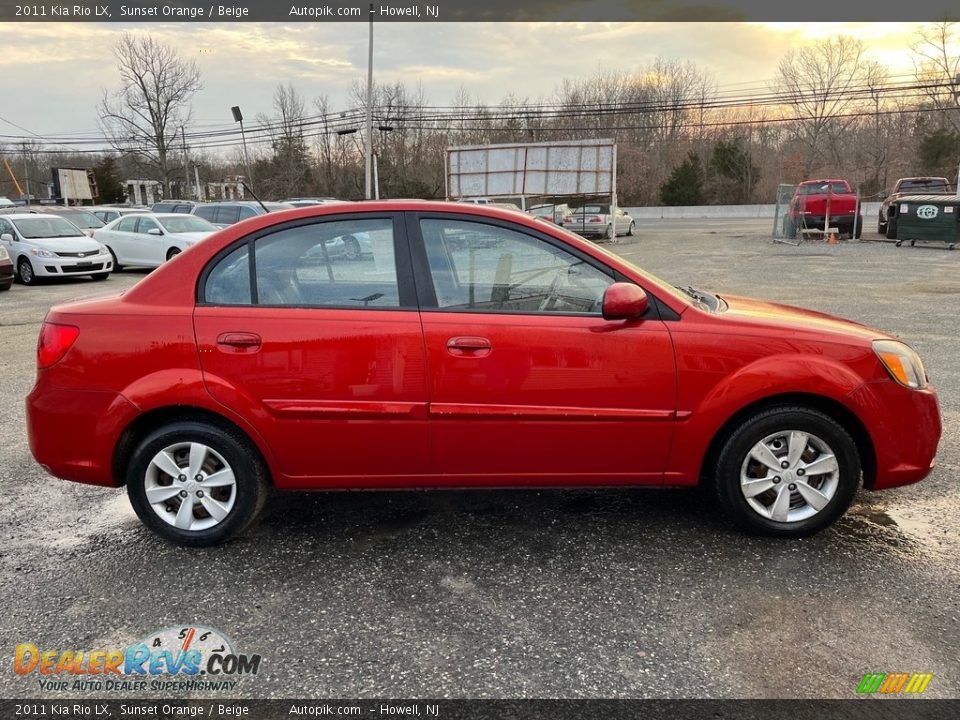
(25, 272)
(787, 472)
(631, 229)
(892, 229)
(196, 484)
(351, 248)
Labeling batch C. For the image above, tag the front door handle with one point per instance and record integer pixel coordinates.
(239, 340)
(469, 345)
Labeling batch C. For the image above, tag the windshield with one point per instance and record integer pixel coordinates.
(652, 279)
(186, 224)
(46, 227)
(82, 218)
(821, 188)
(591, 210)
(932, 184)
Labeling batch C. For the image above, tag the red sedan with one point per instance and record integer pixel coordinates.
(474, 347)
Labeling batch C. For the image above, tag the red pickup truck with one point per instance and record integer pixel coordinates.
(809, 206)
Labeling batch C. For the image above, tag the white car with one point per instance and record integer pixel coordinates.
(43, 245)
(149, 240)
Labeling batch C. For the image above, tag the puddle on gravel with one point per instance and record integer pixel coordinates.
(910, 532)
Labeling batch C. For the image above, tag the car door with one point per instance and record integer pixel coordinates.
(326, 356)
(529, 384)
(151, 249)
(121, 239)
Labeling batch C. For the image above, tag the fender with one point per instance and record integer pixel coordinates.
(186, 387)
(765, 377)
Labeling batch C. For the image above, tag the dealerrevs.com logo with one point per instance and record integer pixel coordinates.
(188, 658)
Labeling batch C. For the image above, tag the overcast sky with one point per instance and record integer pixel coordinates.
(59, 70)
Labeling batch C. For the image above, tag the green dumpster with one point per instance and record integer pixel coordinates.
(933, 218)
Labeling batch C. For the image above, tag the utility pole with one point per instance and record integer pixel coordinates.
(26, 173)
(368, 151)
(186, 161)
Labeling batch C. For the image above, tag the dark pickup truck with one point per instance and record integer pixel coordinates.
(814, 200)
(887, 222)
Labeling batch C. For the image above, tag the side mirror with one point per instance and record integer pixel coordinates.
(7, 237)
(154, 231)
(624, 301)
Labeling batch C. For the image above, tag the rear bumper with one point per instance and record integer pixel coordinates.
(905, 430)
(73, 433)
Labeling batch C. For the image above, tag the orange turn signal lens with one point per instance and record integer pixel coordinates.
(902, 362)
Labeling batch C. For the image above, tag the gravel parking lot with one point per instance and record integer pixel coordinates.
(628, 593)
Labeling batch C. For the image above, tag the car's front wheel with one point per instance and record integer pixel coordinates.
(787, 472)
(25, 272)
(196, 484)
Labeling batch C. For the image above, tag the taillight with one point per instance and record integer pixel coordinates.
(54, 342)
(594, 220)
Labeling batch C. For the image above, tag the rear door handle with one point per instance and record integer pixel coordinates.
(239, 340)
(469, 345)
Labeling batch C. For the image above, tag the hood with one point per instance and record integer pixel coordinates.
(191, 237)
(796, 319)
(80, 243)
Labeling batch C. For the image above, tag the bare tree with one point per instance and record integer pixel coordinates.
(816, 83)
(937, 68)
(143, 116)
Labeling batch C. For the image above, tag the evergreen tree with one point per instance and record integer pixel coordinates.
(685, 184)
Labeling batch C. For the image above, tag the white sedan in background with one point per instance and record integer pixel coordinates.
(149, 240)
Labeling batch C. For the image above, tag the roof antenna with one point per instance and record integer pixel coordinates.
(247, 188)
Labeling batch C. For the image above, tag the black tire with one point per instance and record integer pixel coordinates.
(25, 272)
(857, 230)
(881, 225)
(351, 248)
(249, 470)
(631, 229)
(100, 276)
(609, 234)
(789, 228)
(751, 432)
(4, 288)
(892, 229)
(117, 267)
(172, 253)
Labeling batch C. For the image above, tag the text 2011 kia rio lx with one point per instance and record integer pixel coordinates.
(474, 347)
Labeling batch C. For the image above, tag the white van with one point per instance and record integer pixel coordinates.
(50, 246)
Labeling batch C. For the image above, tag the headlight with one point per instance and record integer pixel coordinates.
(103, 249)
(4, 255)
(40, 252)
(902, 362)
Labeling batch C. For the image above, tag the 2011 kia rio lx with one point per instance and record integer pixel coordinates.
(474, 347)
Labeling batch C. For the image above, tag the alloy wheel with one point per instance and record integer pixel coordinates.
(789, 476)
(190, 486)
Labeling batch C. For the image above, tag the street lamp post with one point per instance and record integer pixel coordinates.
(371, 158)
(238, 117)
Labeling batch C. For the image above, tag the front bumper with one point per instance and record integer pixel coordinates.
(905, 428)
(73, 433)
(66, 266)
(6, 273)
